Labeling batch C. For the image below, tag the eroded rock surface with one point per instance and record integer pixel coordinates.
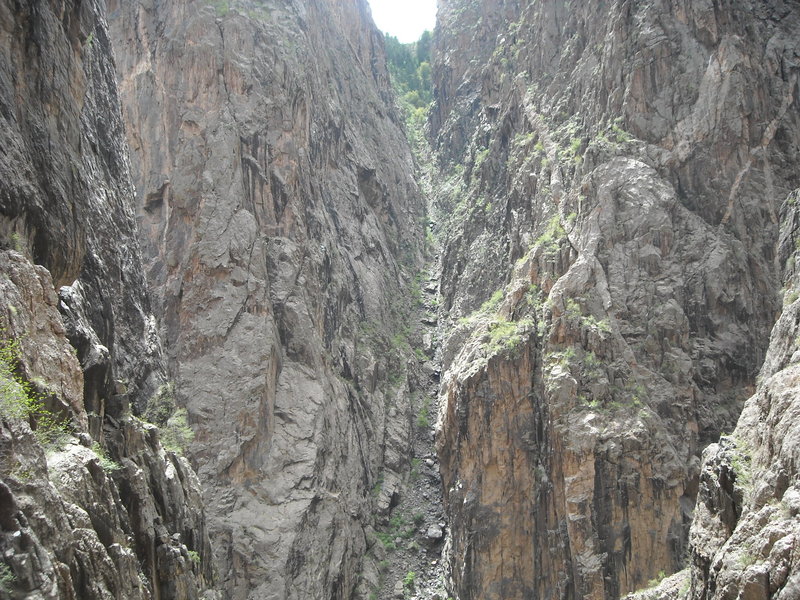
(282, 231)
(745, 533)
(610, 274)
(95, 508)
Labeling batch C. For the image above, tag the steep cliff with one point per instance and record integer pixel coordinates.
(282, 231)
(745, 534)
(617, 203)
(614, 173)
(92, 505)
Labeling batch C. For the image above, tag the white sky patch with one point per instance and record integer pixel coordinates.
(404, 19)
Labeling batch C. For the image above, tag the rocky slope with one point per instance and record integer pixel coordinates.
(282, 232)
(92, 505)
(610, 274)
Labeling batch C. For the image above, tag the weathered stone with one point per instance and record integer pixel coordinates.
(280, 224)
(434, 533)
(79, 524)
(608, 277)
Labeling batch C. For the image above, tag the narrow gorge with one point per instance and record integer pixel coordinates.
(279, 322)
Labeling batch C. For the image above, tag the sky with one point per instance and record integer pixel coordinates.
(404, 19)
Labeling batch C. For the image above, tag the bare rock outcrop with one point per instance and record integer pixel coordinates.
(282, 231)
(745, 532)
(91, 505)
(614, 174)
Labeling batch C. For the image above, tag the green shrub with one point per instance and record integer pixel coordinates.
(622, 136)
(176, 435)
(194, 556)
(376, 489)
(422, 416)
(550, 240)
(19, 401)
(7, 578)
(221, 6)
(161, 406)
(108, 465)
(163, 412)
(505, 336)
(387, 539)
(409, 579)
(414, 473)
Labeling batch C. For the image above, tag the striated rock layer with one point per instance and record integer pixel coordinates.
(745, 533)
(614, 173)
(281, 228)
(93, 508)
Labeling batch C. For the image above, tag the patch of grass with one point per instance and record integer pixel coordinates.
(533, 297)
(408, 580)
(741, 463)
(161, 406)
(523, 139)
(575, 147)
(591, 322)
(414, 474)
(162, 411)
(422, 415)
(620, 135)
(259, 14)
(573, 309)
(505, 336)
(657, 579)
(221, 6)
(747, 558)
(16, 242)
(481, 156)
(194, 556)
(399, 527)
(488, 307)
(176, 435)
(108, 465)
(376, 489)
(493, 302)
(387, 539)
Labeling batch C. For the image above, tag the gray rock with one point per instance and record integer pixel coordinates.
(279, 221)
(434, 533)
(609, 275)
(81, 525)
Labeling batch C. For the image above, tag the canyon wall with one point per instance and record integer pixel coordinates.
(282, 233)
(92, 505)
(612, 175)
(209, 206)
(745, 534)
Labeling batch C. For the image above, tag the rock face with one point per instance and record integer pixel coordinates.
(611, 256)
(282, 230)
(745, 533)
(618, 200)
(91, 505)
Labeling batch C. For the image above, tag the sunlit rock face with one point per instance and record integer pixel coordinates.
(281, 228)
(615, 174)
